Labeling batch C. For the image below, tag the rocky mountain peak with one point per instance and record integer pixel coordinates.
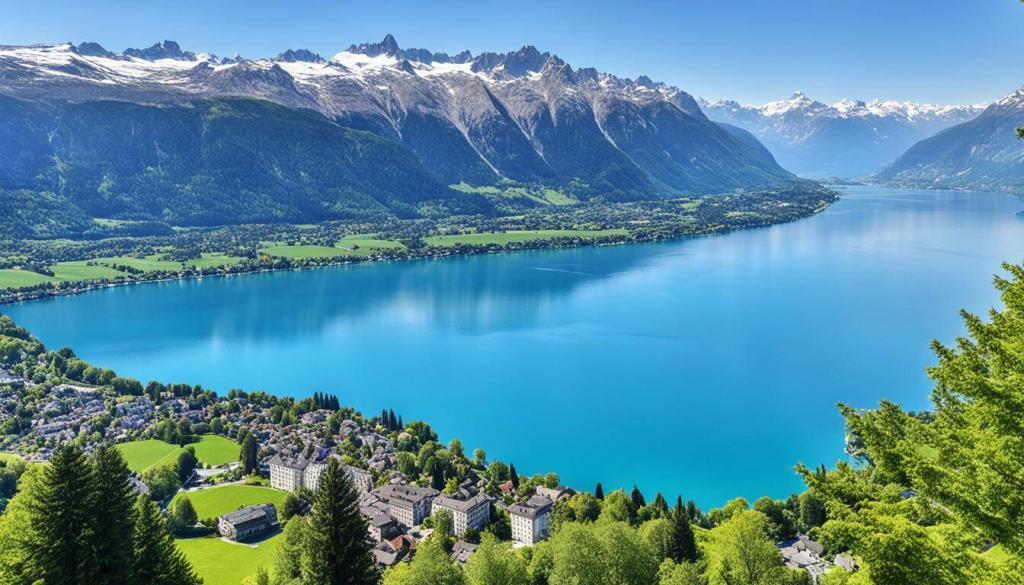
(162, 50)
(299, 55)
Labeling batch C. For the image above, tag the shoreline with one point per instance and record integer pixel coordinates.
(69, 288)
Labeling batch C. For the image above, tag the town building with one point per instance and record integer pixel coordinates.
(407, 504)
(462, 551)
(248, 522)
(473, 512)
(554, 494)
(803, 553)
(292, 472)
(531, 522)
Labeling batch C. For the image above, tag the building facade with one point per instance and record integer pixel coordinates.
(474, 512)
(531, 522)
(248, 522)
(407, 504)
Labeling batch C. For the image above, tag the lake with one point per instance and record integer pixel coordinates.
(706, 367)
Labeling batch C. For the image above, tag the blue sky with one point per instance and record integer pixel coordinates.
(940, 51)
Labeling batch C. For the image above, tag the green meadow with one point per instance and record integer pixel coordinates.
(215, 450)
(142, 455)
(225, 563)
(501, 238)
(217, 501)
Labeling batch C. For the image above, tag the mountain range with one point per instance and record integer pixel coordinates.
(845, 139)
(190, 138)
(983, 153)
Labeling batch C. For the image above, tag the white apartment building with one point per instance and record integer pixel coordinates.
(474, 512)
(531, 522)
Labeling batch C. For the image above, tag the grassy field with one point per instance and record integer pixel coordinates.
(518, 236)
(79, 270)
(148, 264)
(361, 245)
(213, 502)
(142, 455)
(215, 450)
(211, 260)
(15, 278)
(223, 563)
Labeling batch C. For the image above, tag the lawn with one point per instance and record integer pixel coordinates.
(217, 501)
(215, 450)
(15, 278)
(223, 563)
(150, 263)
(519, 236)
(142, 455)
(366, 245)
(210, 260)
(79, 270)
(9, 457)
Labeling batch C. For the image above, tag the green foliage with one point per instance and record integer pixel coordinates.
(741, 552)
(495, 563)
(183, 514)
(249, 455)
(430, 566)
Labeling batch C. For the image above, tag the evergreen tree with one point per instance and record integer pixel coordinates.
(437, 479)
(338, 550)
(660, 505)
(599, 491)
(157, 560)
(110, 505)
(186, 463)
(401, 424)
(637, 499)
(64, 554)
(513, 476)
(684, 545)
(392, 421)
(384, 417)
(249, 456)
(291, 506)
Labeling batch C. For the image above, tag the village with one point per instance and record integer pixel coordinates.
(405, 478)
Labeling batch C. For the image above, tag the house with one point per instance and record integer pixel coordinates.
(292, 472)
(407, 504)
(381, 525)
(248, 522)
(507, 488)
(531, 522)
(554, 494)
(462, 551)
(473, 512)
(803, 553)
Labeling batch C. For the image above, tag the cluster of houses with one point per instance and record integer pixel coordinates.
(395, 511)
(803, 553)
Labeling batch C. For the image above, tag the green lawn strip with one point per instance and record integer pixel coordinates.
(17, 278)
(223, 563)
(362, 245)
(80, 270)
(215, 450)
(304, 251)
(150, 263)
(211, 260)
(142, 455)
(519, 236)
(217, 501)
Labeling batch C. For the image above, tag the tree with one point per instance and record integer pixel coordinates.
(637, 499)
(162, 481)
(64, 552)
(288, 559)
(338, 551)
(249, 457)
(292, 506)
(683, 547)
(430, 566)
(186, 463)
(495, 563)
(671, 573)
(551, 480)
(111, 505)
(658, 535)
(599, 491)
(183, 514)
(157, 560)
(513, 476)
(444, 525)
(260, 578)
(616, 508)
(741, 553)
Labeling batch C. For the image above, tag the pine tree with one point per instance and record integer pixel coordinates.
(637, 499)
(249, 457)
(392, 421)
(401, 424)
(337, 550)
(599, 491)
(384, 417)
(110, 505)
(437, 478)
(157, 560)
(186, 463)
(660, 505)
(64, 552)
(683, 547)
(513, 476)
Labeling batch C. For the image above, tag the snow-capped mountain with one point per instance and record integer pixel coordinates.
(524, 115)
(983, 153)
(848, 138)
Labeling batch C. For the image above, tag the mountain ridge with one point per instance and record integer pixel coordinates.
(849, 138)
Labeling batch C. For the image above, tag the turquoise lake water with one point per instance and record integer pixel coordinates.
(706, 367)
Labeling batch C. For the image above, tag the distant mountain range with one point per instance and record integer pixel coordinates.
(846, 139)
(190, 138)
(983, 153)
